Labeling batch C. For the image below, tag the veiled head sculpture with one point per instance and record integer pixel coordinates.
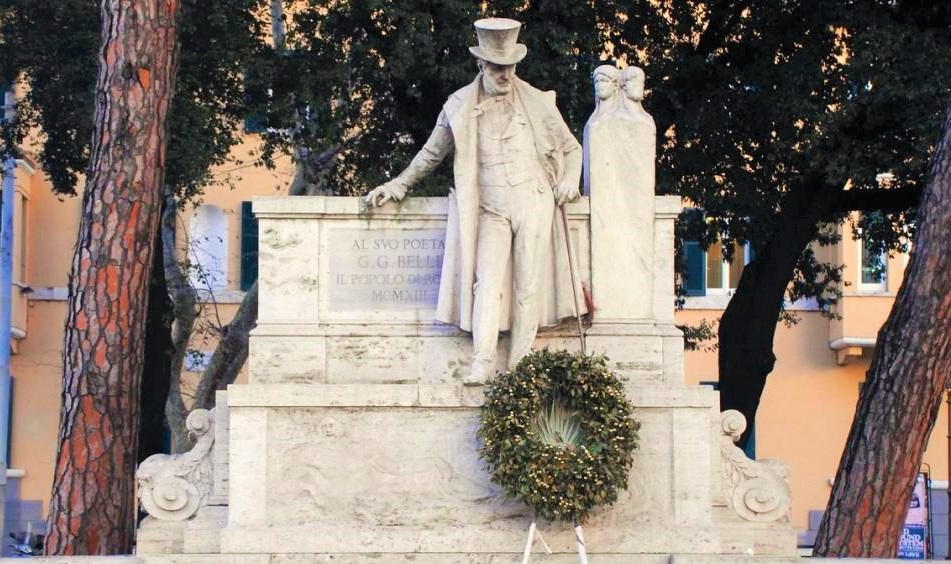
(633, 81)
(607, 88)
(606, 81)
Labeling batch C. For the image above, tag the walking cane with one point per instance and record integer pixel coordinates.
(579, 536)
(532, 530)
(574, 281)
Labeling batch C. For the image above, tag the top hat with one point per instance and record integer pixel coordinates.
(497, 41)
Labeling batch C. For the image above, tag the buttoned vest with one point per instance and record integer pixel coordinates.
(507, 157)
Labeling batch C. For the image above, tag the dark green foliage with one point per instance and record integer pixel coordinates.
(373, 75)
(769, 111)
(559, 482)
(53, 48)
(765, 110)
(55, 44)
(750, 99)
(220, 39)
(700, 337)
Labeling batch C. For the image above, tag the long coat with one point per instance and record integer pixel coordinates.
(559, 154)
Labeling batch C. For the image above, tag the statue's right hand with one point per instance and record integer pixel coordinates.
(383, 194)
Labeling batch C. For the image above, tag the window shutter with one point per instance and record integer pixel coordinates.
(696, 274)
(254, 124)
(249, 246)
(750, 449)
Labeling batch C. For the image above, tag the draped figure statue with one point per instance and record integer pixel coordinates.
(619, 156)
(514, 161)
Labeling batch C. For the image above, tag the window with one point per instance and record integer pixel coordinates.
(874, 275)
(708, 274)
(208, 248)
(249, 247)
(873, 261)
(724, 276)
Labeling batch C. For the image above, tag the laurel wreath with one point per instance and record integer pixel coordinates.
(558, 432)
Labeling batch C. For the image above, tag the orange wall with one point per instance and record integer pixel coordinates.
(863, 310)
(807, 408)
(37, 373)
(52, 225)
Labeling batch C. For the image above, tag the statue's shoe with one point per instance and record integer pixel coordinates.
(473, 379)
(478, 374)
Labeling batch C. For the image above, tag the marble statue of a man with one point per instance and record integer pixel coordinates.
(515, 160)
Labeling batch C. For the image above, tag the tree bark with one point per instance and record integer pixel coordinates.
(899, 402)
(92, 502)
(231, 352)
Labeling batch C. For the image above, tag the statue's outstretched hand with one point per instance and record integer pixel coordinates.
(565, 193)
(384, 193)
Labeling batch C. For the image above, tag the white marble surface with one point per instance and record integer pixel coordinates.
(514, 160)
(400, 462)
(308, 332)
(306, 242)
(385, 269)
(442, 558)
(355, 436)
(619, 154)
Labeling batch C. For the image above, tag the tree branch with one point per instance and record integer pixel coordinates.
(231, 352)
(878, 199)
(312, 172)
(722, 22)
(185, 309)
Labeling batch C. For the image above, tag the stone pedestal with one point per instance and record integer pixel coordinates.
(355, 435)
(394, 468)
(356, 441)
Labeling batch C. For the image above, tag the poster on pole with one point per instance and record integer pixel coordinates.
(913, 544)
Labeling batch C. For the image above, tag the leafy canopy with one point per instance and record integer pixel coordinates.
(763, 107)
(53, 48)
(755, 102)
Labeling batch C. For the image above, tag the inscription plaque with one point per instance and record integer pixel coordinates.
(385, 269)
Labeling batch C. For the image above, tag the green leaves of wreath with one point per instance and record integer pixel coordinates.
(558, 433)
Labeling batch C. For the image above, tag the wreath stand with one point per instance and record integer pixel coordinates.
(558, 432)
(533, 528)
(533, 532)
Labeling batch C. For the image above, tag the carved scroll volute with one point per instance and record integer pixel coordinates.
(173, 487)
(757, 490)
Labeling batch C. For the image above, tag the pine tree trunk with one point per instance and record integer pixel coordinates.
(92, 504)
(899, 402)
